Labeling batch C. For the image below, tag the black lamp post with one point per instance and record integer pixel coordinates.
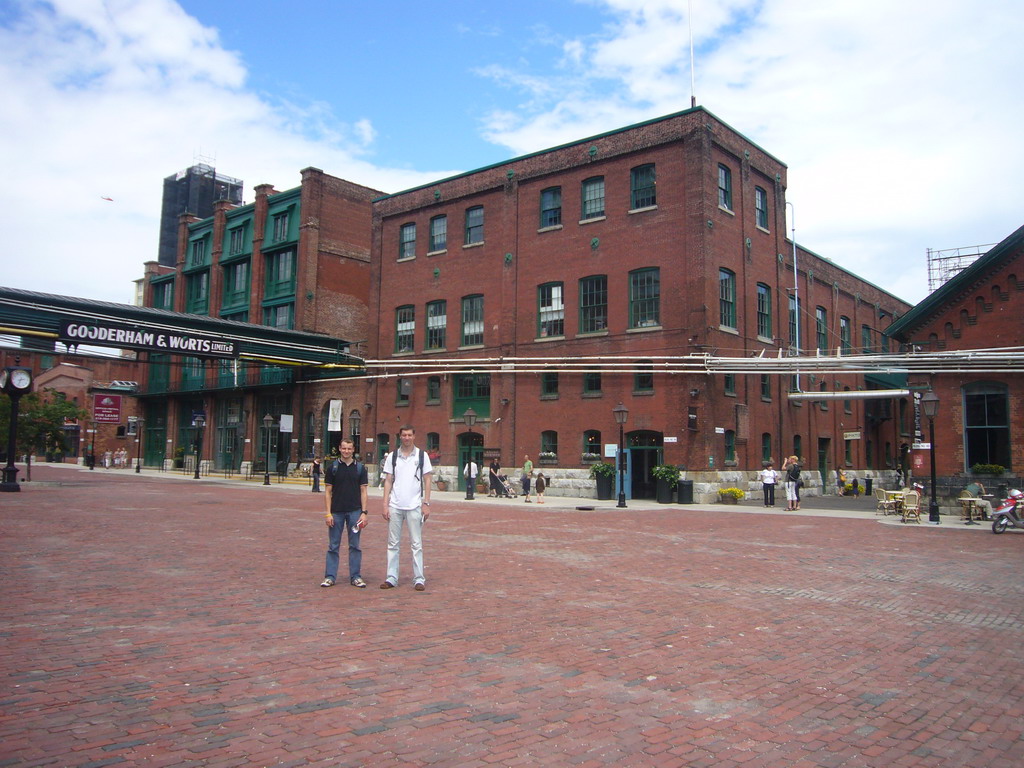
(621, 413)
(470, 418)
(199, 421)
(138, 450)
(930, 406)
(268, 422)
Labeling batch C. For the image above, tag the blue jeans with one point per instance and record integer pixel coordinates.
(343, 521)
(414, 518)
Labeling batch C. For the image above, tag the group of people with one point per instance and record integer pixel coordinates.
(790, 477)
(407, 474)
(118, 459)
(499, 484)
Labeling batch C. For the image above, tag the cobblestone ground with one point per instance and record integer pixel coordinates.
(155, 621)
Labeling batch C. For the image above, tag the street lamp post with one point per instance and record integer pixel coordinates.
(268, 422)
(930, 406)
(469, 417)
(138, 450)
(200, 422)
(621, 413)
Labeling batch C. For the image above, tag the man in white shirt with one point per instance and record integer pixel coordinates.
(407, 475)
(470, 471)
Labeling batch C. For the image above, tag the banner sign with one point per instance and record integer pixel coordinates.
(138, 336)
(106, 409)
(334, 416)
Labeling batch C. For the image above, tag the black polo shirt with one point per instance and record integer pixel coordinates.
(345, 481)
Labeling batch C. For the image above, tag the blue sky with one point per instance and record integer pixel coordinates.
(899, 121)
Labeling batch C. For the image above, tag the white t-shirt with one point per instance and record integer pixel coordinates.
(769, 476)
(406, 489)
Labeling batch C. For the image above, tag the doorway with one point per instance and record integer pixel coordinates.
(645, 451)
(471, 446)
(824, 448)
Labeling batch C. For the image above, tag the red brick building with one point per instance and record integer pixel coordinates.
(573, 278)
(980, 419)
(298, 259)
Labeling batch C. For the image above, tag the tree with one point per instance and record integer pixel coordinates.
(41, 420)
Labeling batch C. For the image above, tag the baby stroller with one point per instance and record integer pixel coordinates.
(505, 487)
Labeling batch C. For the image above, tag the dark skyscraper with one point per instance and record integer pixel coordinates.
(194, 191)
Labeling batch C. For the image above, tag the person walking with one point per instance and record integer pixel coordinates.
(407, 475)
(792, 471)
(315, 471)
(527, 474)
(494, 475)
(470, 472)
(345, 499)
(769, 479)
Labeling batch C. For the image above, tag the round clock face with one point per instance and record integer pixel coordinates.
(3, 379)
(20, 378)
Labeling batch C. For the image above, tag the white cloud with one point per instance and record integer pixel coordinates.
(105, 99)
(897, 120)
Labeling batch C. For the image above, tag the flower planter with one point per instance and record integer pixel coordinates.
(728, 499)
(605, 486)
(664, 491)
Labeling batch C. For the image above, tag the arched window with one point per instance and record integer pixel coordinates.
(548, 442)
(730, 445)
(766, 446)
(592, 442)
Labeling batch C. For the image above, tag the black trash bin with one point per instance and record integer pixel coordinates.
(868, 482)
(684, 494)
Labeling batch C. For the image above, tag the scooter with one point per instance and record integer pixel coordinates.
(1007, 514)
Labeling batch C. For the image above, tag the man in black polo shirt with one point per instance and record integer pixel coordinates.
(345, 485)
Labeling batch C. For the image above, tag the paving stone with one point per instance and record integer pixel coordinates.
(161, 621)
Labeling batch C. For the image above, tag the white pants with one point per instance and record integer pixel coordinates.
(414, 518)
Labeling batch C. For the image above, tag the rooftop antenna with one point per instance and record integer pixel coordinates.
(689, 25)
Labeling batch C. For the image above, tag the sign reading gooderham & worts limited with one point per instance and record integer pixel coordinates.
(138, 336)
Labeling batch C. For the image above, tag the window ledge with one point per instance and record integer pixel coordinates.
(471, 346)
(762, 229)
(727, 329)
(549, 397)
(644, 329)
(730, 211)
(765, 339)
(591, 334)
(542, 339)
(592, 220)
(406, 258)
(593, 394)
(472, 245)
(432, 402)
(643, 392)
(552, 228)
(437, 253)
(404, 353)
(435, 351)
(646, 208)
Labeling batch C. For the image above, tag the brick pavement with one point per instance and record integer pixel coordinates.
(159, 621)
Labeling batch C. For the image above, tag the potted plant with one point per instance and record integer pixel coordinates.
(730, 495)
(589, 458)
(547, 457)
(440, 482)
(604, 474)
(988, 469)
(179, 457)
(667, 477)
